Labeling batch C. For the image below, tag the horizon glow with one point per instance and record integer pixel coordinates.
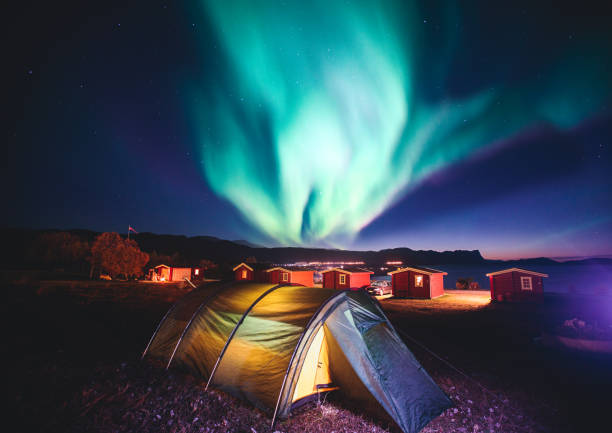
(325, 117)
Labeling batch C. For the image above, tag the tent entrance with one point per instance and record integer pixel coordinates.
(315, 377)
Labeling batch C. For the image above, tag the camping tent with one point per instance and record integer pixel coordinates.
(276, 345)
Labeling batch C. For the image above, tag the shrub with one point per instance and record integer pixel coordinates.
(115, 256)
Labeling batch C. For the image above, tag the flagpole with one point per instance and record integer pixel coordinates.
(128, 233)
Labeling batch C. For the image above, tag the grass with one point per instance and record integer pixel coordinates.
(75, 367)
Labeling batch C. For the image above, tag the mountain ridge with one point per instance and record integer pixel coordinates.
(195, 248)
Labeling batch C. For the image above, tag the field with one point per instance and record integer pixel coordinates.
(73, 365)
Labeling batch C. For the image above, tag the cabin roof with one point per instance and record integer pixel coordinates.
(241, 265)
(505, 271)
(254, 266)
(289, 269)
(349, 270)
(422, 270)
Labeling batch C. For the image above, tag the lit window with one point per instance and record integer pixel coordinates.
(342, 279)
(244, 274)
(197, 272)
(526, 283)
(418, 281)
(285, 276)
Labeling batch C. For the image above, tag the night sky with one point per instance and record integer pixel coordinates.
(363, 125)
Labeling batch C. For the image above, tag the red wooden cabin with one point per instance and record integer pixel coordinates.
(346, 278)
(281, 275)
(417, 282)
(263, 273)
(250, 272)
(516, 285)
(173, 273)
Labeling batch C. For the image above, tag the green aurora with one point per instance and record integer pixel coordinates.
(328, 113)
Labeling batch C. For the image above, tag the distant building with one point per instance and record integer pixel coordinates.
(249, 272)
(293, 275)
(346, 278)
(516, 285)
(171, 273)
(417, 282)
(273, 274)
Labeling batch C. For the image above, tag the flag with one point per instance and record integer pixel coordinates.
(131, 229)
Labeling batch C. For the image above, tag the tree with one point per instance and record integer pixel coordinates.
(164, 259)
(208, 265)
(463, 283)
(59, 249)
(116, 256)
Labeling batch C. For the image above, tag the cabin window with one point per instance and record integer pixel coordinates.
(197, 272)
(342, 279)
(244, 274)
(285, 276)
(526, 283)
(418, 281)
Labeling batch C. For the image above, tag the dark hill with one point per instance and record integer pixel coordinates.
(16, 244)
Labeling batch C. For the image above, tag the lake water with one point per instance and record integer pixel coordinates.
(584, 279)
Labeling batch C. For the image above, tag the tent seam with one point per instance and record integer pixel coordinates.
(193, 316)
(306, 329)
(231, 336)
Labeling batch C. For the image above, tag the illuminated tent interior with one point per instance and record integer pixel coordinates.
(276, 346)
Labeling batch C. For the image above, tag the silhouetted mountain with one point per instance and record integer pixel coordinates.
(592, 261)
(525, 262)
(193, 249)
(246, 243)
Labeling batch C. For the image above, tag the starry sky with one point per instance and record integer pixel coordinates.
(345, 124)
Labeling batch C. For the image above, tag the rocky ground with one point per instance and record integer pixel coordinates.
(74, 366)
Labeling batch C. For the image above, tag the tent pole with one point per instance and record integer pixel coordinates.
(157, 330)
(193, 316)
(229, 339)
(310, 322)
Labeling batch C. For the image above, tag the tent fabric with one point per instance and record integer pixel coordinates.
(272, 345)
(165, 338)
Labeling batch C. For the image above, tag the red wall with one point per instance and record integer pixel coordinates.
(200, 274)
(331, 280)
(507, 287)
(305, 278)
(273, 277)
(420, 292)
(403, 285)
(400, 284)
(238, 274)
(436, 285)
(347, 280)
(359, 280)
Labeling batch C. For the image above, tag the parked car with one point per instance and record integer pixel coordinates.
(379, 289)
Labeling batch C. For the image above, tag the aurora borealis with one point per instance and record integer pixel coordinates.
(342, 110)
(349, 124)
